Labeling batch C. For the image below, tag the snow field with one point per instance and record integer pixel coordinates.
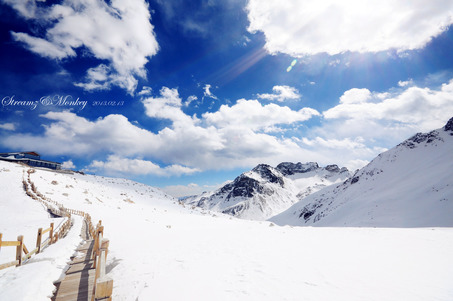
(19, 214)
(160, 250)
(33, 281)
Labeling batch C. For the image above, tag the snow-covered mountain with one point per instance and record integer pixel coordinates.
(410, 185)
(265, 191)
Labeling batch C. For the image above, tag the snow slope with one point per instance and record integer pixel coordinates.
(266, 191)
(20, 215)
(409, 185)
(160, 250)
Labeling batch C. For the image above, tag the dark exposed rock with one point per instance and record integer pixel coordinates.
(333, 168)
(289, 168)
(236, 210)
(355, 179)
(449, 125)
(265, 172)
(420, 138)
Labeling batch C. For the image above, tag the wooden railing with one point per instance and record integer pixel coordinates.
(103, 285)
(22, 253)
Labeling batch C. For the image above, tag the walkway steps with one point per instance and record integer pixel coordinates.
(77, 285)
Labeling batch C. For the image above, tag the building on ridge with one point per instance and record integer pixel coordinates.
(30, 158)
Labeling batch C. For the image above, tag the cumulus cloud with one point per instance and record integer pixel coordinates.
(246, 133)
(118, 32)
(74, 135)
(68, 165)
(253, 115)
(167, 106)
(281, 93)
(305, 27)
(414, 107)
(235, 136)
(119, 165)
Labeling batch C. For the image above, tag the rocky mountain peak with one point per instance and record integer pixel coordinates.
(289, 168)
(268, 173)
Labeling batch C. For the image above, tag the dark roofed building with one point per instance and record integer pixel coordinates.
(29, 158)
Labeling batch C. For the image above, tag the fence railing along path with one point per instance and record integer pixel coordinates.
(95, 249)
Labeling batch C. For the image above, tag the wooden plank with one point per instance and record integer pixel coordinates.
(78, 267)
(9, 264)
(47, 230)
(25, 249)
(30, 254)
(10, 243)
(104, 287)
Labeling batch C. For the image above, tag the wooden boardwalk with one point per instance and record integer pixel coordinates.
(77, 285)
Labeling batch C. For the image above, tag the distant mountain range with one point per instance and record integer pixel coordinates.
(266, 191)
(410, 185)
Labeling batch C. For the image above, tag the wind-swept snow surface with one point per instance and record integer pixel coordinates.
(160, 250)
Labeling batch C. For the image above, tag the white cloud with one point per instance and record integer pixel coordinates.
(281, 93)
(118, 32)
(26, 8)
(8, 126)
(68, 165)
(208, 93)
(119, 165)
(167, 106)
(70, 134)
(405, 83)
(244, 134)
(355, 96)
(145, 91)
(43, 47)
(422, 109)
(251, 114)
(190, 99)
(304, 27)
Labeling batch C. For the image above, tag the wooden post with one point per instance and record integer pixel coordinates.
(103, 284)
(38, 240)
(19, 249)
(51, 233)
(97, 237)
(105, 246)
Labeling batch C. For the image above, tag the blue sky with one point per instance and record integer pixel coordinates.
(185, 95)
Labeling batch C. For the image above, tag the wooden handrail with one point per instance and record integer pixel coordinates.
(103, 285)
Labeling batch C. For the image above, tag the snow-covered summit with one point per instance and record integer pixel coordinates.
(265, 191)
(407, 186)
